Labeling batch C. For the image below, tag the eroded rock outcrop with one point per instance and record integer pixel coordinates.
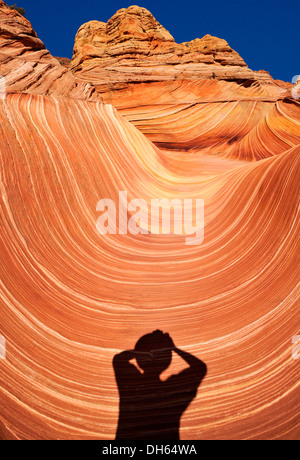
(133, 47)
(27, 65)
(133, 34)
(167, 89)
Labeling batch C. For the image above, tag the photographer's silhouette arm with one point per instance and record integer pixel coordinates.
(124, 356)
(128, 355)
(122, 365)
(125, 372)
(196, 365)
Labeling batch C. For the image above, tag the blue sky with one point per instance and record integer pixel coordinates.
(264, 32)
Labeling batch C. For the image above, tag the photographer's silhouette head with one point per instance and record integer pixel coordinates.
(150, 409)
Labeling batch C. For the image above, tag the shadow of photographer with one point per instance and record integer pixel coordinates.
(151, 409)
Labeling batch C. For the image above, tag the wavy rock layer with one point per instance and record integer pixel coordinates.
(71, 299)
(238, 129)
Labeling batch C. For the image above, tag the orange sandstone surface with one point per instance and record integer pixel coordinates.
(197, 95)
(27, 65)
(137, 112)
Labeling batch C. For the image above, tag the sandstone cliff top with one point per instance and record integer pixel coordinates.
(133, 33)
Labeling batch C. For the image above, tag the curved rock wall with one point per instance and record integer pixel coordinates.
(71, 299)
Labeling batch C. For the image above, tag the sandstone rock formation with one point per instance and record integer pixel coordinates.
(64, 61)
(72, 298)
(166, 89)
(133, 47)
(133, 35)
(28, 66)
